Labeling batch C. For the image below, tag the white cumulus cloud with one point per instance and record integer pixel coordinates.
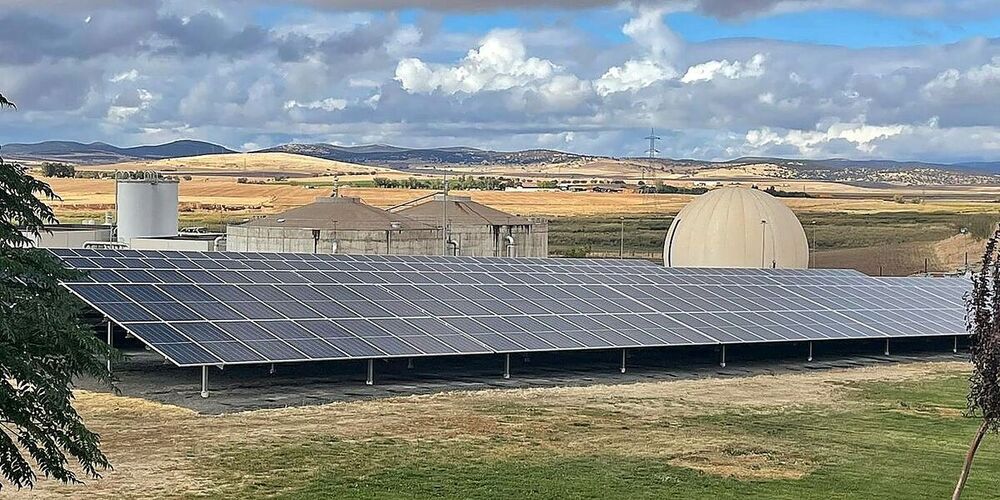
(734, 70)
(328, 104)
(127, 76)
(864, 137)
(951, 79)
(632, 75)
(500, 63)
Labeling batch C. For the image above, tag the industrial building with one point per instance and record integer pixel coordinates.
(480, 231)
(146, 218)
(70, 235)
(346, 225)
(736, 227)
(336, 225)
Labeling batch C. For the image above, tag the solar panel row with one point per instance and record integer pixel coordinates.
(225, 308)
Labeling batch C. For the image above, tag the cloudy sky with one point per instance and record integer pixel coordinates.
(901, 79)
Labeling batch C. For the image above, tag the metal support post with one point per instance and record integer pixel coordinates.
(371, 372)
(271, 370)
(506, 366)
(110, 345)
(722, 363)
(810, 351)
(204, 381)
(954, 348)
(623, 360)
(886, 347)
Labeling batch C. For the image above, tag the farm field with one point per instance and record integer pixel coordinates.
(893, 243)
(885, 431)
(82, 195)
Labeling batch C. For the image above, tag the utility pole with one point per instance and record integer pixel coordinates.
(652, 151)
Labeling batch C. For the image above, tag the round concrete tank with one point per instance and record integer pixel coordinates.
(146, 207)
(736, 227)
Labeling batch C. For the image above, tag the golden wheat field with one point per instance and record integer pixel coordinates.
(215, 193)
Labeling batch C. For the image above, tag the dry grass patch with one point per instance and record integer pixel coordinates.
(161, 450)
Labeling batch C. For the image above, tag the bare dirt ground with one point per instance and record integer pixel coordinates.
(160, 450)
(947, 255)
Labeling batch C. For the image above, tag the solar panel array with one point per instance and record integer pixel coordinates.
(216, 308)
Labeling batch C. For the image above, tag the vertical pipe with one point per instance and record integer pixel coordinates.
(886, 347)
(810, 351)
(506, 366)
(763, 241)
(110, 326)
(623, 360)
(204, 381)
(444, 217)
(722, 363)
(812, 246)
(621, 247)
(954, 348)
(371, 372)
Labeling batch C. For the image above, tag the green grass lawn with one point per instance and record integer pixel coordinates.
(888, 440)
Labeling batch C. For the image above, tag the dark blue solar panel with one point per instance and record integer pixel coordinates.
(279, 307)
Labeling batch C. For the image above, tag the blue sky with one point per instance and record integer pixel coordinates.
(914, 79)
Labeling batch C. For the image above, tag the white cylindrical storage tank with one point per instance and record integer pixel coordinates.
(146, 208)
(736, 227)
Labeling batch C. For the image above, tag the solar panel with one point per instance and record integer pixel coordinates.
(216, 308)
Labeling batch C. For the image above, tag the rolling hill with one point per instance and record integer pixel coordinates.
(428, 159)
(397, 157)
(98, 153)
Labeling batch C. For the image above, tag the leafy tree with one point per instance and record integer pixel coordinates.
(983, 316)
(44, 346)
(53, 169)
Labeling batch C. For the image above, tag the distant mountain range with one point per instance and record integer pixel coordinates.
(97, 153)
(393, 156)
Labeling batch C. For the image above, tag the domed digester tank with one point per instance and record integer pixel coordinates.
(736, 227)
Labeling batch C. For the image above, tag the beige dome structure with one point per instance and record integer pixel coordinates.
(736, 227)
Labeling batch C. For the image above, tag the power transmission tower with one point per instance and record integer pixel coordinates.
(652, 151)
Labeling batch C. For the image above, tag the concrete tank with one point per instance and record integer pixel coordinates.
(146, 208)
